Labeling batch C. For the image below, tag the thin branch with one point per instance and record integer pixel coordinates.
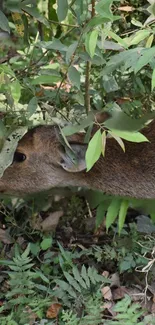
(87, 87)
(88, 70)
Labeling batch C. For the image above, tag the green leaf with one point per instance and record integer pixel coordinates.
(74, 76)
(53, 45)
(149, 41)
(104, 9)
(46, 243)
(7, 152)
(118, 139)
(112, 212)
(122, 214)
(34, 12)
(72, 282)
(4, 25)
(130, 136)
(70, 51)
(45, 79)
(153, 80)
(32, 106)
(15, 90)
(94, 150)
(90, 42)
(139, 36)
(71, 129)
(104, 139)
(85, 275)
(118, 39)
(62, 9)
(146, 56)
(78, 277)
(35, 248)
(100, 214)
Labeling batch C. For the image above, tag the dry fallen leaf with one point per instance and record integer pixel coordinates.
(5, 237)
(106, 292)
(115, 280)
(126, 8)
(51, 222)
(119, 293)
(53, 310)
(105, 274)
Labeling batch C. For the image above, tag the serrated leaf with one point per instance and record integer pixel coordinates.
(74, 76)
(118, 139)
(4, 24)
(66, 287)
(78, 277)
(91, 274)
(45, 79)
(130, 136)
(94, 150)
(90, 42)
(122, 214)
(62, 9)
(85, 275)
(112, 212)
(72, 282)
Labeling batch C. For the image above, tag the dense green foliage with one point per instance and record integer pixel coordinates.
(61, 62)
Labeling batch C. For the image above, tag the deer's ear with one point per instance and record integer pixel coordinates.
(73, 161)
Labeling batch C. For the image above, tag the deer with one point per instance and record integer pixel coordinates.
(41, 163)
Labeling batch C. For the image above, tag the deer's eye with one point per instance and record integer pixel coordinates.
(19, 157)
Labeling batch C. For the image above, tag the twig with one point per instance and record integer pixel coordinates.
(88, 69)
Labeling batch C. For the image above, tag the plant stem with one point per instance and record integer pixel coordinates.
(88, 69)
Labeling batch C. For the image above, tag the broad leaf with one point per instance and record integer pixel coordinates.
(4, 25)
(74, 76)
(94, 150)
(70, 51)
(139, 36)
(90, 42)
(45, 79)
(62, 9)
(130, 136)
(146, 56)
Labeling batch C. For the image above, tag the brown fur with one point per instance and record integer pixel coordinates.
(129, 174)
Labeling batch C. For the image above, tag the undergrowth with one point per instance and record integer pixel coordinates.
(31, 291)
